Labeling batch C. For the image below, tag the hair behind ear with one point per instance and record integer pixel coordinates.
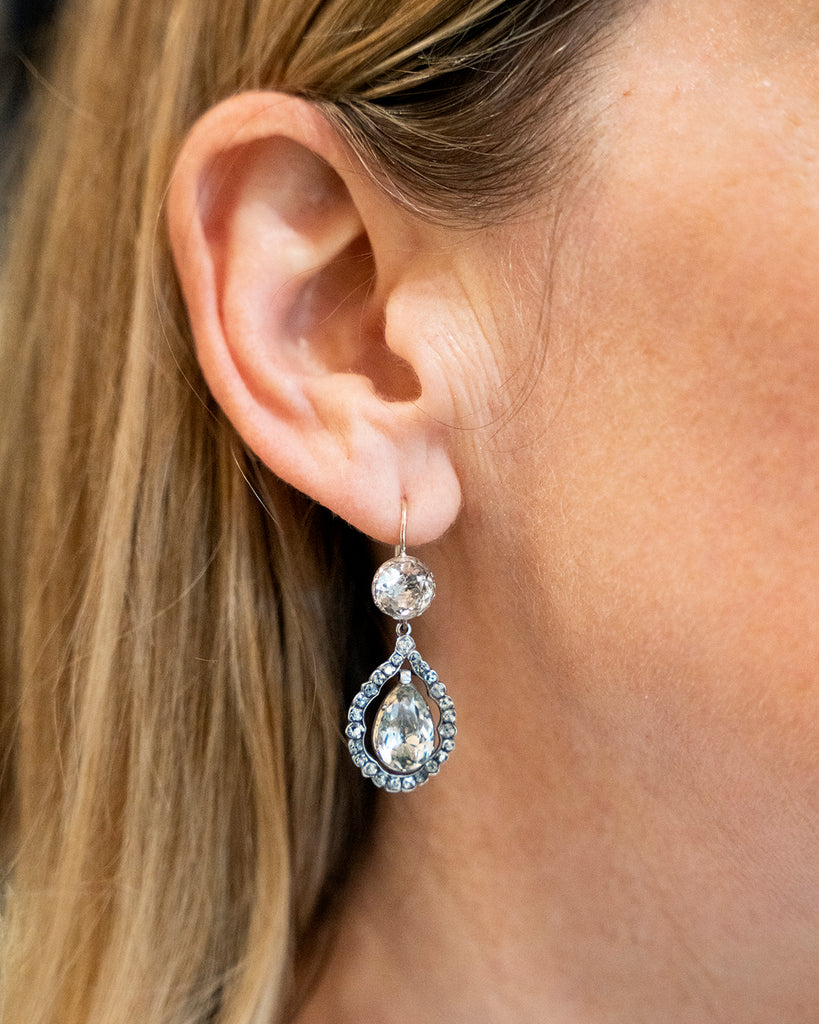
(160, 653)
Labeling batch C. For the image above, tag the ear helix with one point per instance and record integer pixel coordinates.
(403, 747)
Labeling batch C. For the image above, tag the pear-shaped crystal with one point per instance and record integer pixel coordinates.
(403, 731)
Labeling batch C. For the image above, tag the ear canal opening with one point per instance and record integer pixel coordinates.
(395, 381)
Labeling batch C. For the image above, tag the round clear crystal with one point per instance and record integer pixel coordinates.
(403, 587)
(404, 645)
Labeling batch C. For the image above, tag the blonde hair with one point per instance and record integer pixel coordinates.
(179, 627)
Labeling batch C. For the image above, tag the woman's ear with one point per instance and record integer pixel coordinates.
(272, 224)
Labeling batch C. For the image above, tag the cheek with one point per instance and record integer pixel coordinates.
(704, 321)
(656, 497)
(674, 503)
(697, 375)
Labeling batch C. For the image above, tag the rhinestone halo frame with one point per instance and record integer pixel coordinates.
(356, 731)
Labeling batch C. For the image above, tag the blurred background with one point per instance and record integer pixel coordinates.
(24, 36)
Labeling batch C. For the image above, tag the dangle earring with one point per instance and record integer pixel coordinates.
(400, 750)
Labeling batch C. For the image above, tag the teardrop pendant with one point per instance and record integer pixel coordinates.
(403, 730)
(405, 746)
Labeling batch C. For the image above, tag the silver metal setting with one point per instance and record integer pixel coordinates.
(356, 731)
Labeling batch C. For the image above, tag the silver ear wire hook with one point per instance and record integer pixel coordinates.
(401, 546)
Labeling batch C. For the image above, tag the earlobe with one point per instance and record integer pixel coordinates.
(280, 278)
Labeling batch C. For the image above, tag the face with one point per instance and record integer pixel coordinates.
(653, 505)
(680, 426)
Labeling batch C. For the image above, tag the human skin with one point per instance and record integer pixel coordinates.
(619, 389)
(628, 615)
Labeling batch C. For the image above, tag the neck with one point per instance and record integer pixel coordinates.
(547, 875)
